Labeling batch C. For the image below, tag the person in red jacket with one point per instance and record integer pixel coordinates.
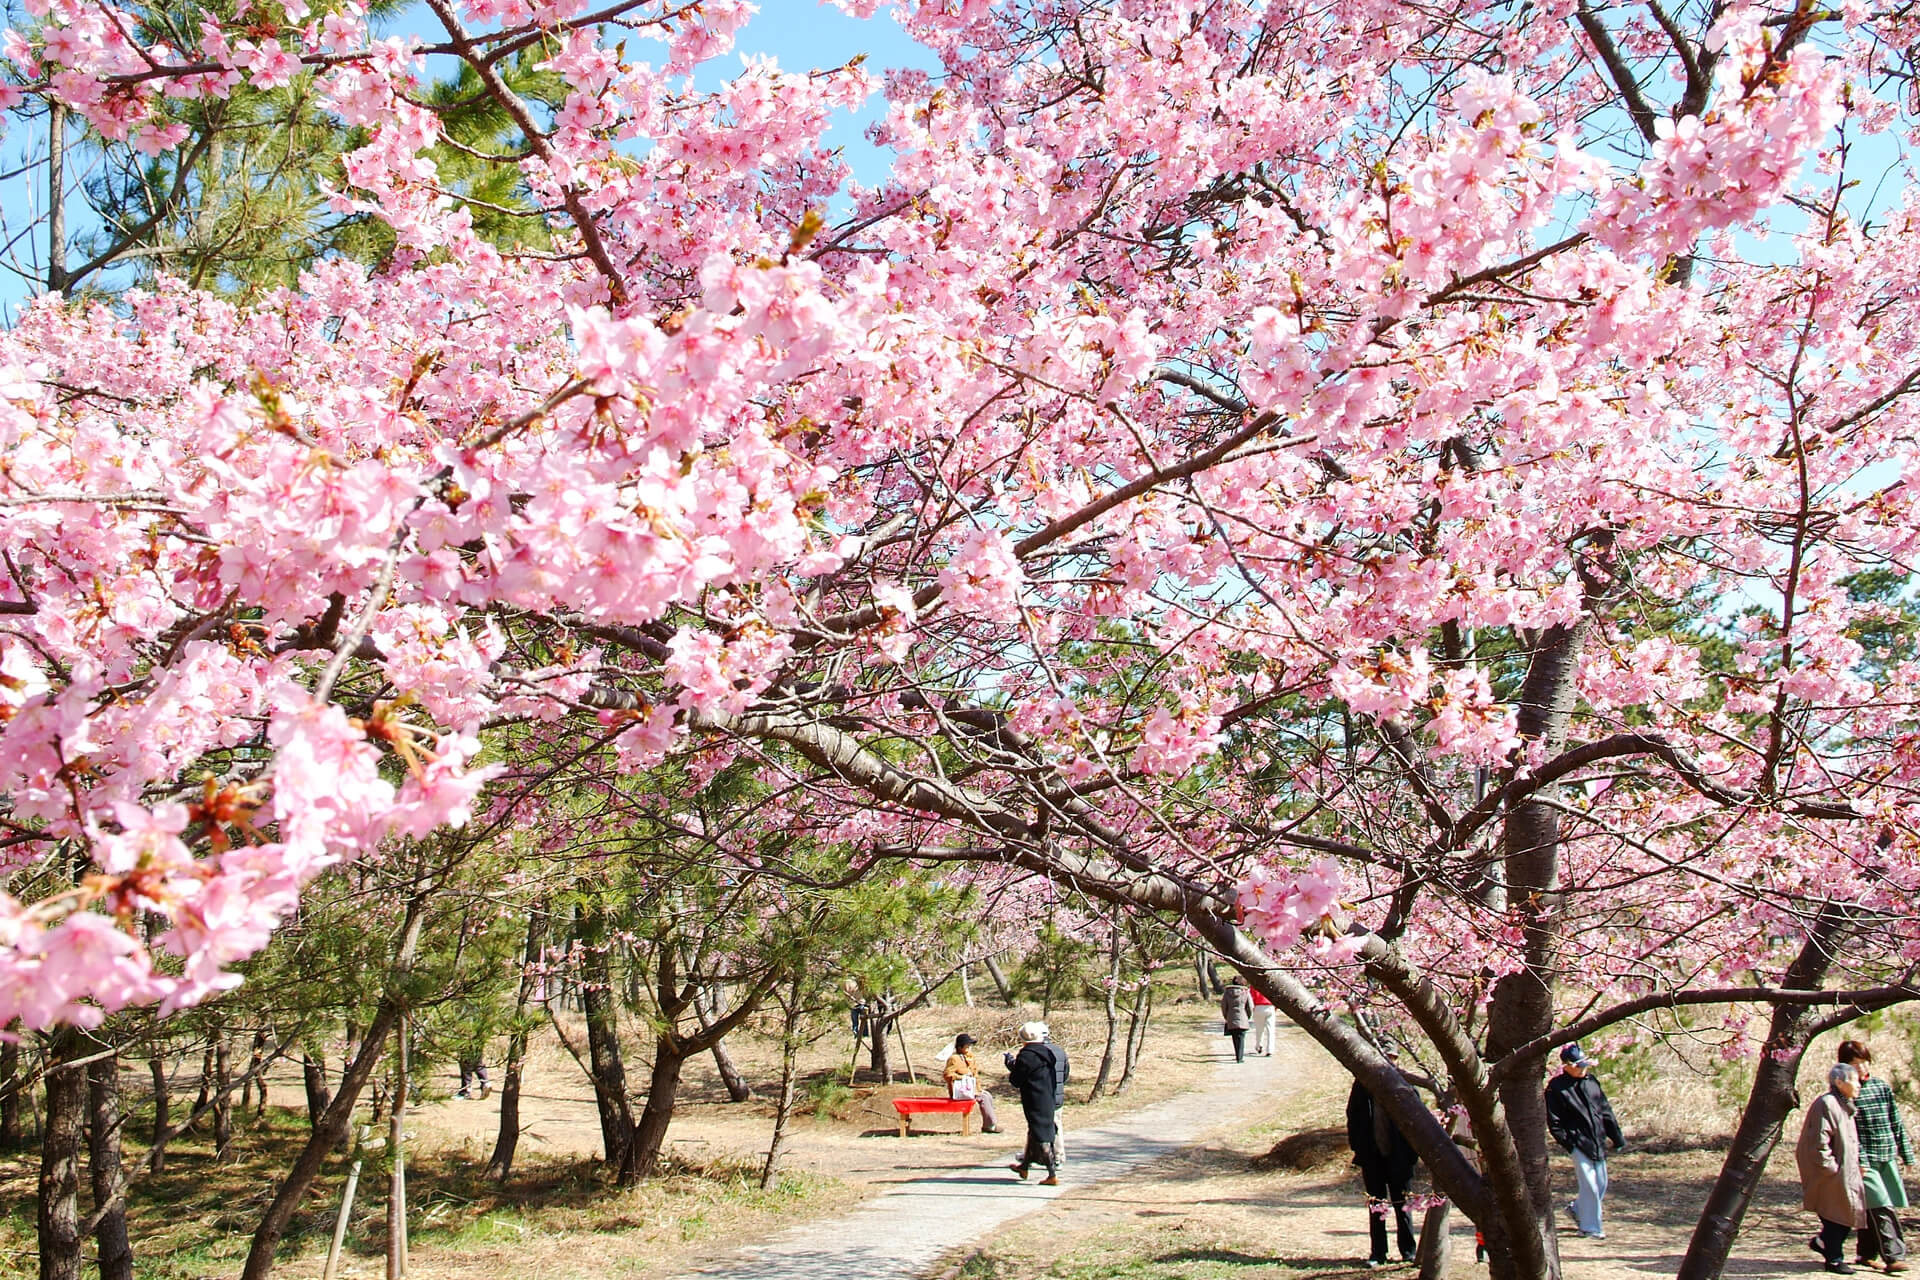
(1262, 1024)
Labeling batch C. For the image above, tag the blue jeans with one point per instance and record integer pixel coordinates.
(1590, 1188)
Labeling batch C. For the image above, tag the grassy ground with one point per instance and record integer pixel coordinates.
(196, 1218)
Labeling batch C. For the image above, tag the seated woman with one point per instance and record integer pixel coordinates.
(963, 1081)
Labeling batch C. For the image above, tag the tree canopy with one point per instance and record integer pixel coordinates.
(1423, 498)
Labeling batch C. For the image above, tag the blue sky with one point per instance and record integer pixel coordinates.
(804, 35)
(800, 35)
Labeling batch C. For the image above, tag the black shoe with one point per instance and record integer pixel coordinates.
(992, 1128)
(1839, 1268)
(1375, 1262)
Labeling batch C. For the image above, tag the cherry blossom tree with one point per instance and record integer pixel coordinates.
(1377, 485)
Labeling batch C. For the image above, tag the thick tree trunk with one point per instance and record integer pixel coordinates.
(313, 1075)
(650, 1134)
(162, 1106)
(333, 1126)
(1522, 1006)
(9, 1093)
(879, 1028)
(60, 1137)
(1436, 1242)
(507, 1142)
(1768, 1104)
(1000, 983)
(103, 1167)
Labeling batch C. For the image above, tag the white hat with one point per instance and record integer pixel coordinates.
(1033, 1031)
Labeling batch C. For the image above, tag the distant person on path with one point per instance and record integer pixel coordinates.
(1236, 1011)
(1581, 1120)
(963, 1081)
(1829, 1158)
(1882, 1140)
(1039, 1072)
(1262, 1023)
(472, 1071)
(1386, 1161)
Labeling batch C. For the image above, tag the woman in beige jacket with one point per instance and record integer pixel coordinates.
(1829, 1159)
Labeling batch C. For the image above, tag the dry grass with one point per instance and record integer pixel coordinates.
(559, 1218)
(195, 1220)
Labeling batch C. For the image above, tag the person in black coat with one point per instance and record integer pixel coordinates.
(1581, 1120)
(1039, 1071)
(1387, 1161)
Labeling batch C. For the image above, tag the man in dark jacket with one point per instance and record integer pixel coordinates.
(1039, 1071)
(1581, 1121)
(1386, 1161)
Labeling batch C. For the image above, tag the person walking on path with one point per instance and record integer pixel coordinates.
(1882, 1140)
(1581, 1120)
(1039, 1072)
(472, 1072)
(962, 1075)
(1829, 1158)
(1262, 1024)
(1236, 1011)
(1386, 1161)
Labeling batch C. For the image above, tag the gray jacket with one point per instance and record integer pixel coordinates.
(1236, 1007)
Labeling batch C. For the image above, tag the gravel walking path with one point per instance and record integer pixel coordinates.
(899, 1234)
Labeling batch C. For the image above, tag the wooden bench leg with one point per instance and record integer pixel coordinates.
(903, 1126)
(966, 1123)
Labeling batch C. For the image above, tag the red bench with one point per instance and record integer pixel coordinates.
(910, 1107)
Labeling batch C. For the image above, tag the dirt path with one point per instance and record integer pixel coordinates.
(905, 1230)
